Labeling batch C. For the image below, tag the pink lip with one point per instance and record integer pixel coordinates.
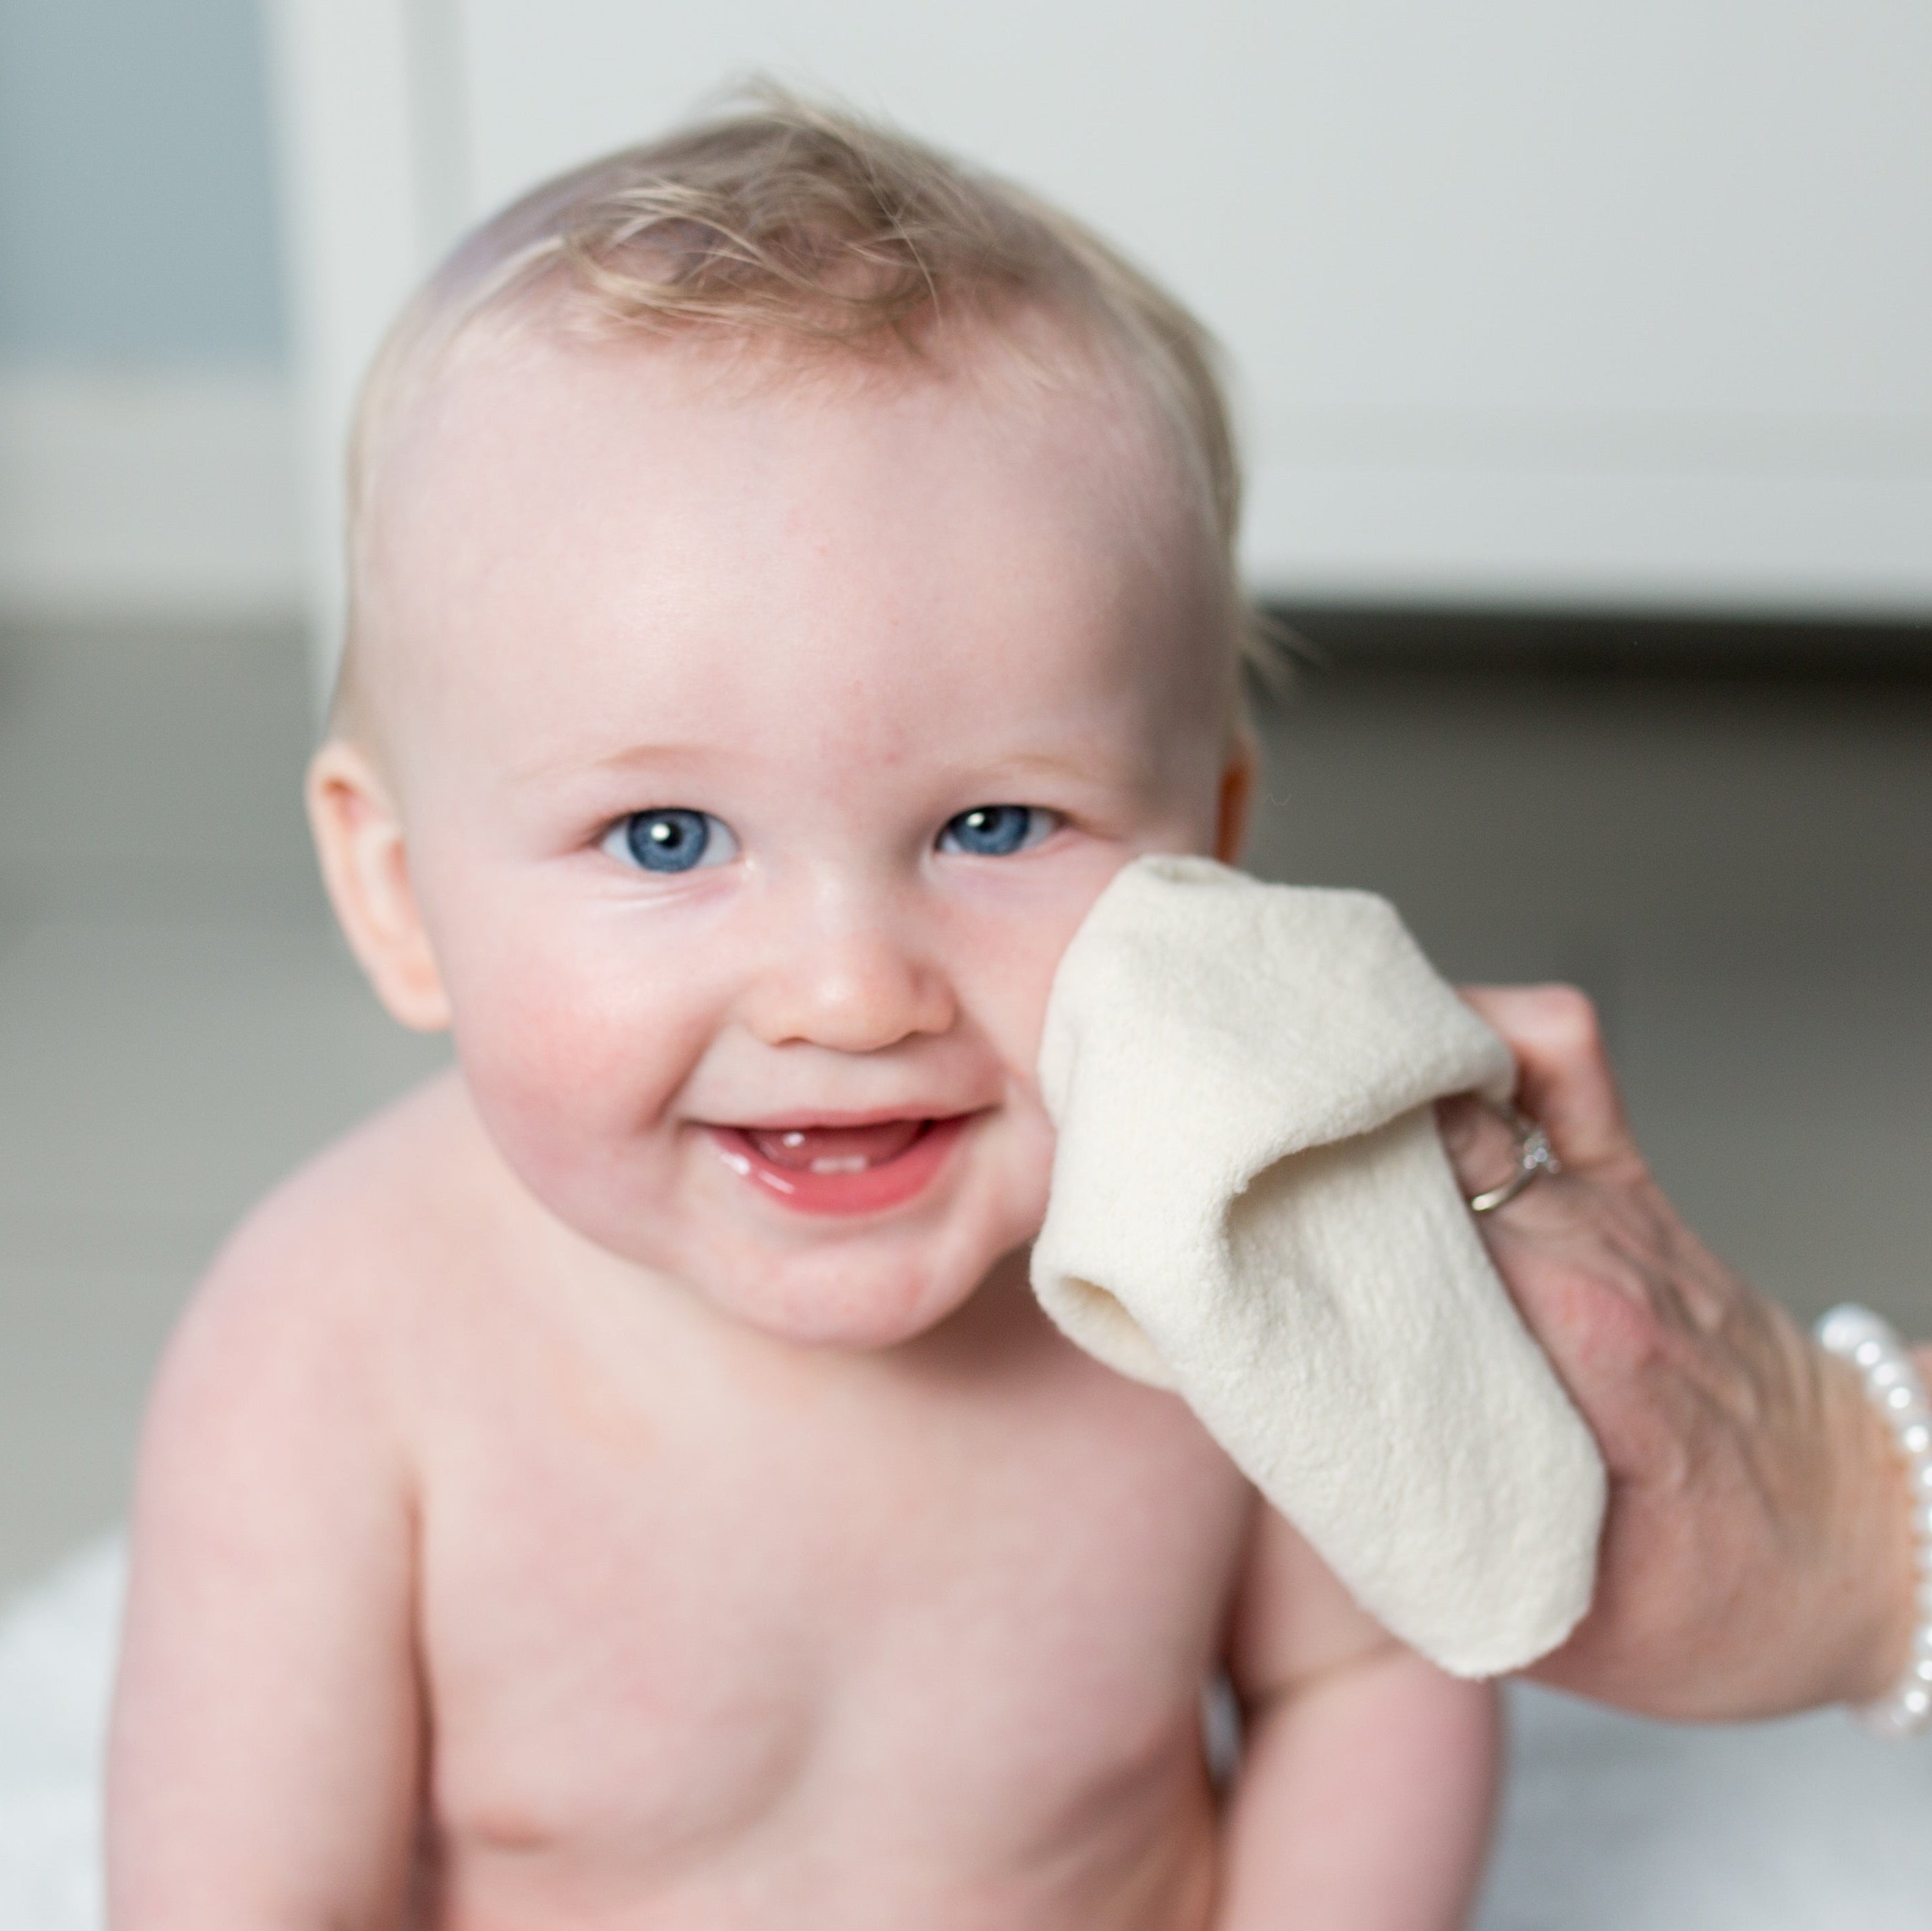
(872, 1190)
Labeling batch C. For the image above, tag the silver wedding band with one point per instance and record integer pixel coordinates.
(1534, 1155)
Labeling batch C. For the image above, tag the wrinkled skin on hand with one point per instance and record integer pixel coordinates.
(1756, 1556)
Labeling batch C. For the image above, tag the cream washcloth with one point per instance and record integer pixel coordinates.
(1251, 1205)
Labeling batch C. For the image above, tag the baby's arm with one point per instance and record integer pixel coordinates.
(1368, 1778)
(264, 1757)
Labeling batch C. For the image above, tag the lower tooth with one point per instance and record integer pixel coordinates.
(852, 1163)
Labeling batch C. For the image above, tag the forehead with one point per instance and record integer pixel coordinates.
(639, 510)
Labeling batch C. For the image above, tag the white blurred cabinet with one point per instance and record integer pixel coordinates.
(1605, 303)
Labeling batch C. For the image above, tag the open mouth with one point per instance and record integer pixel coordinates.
(841, 1169)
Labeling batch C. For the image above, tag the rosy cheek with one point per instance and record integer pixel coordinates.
(1031, 983)
(565, 1004)
(1018, 970)
(556, 1029)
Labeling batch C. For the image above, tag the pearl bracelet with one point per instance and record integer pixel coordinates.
(1893, 1386)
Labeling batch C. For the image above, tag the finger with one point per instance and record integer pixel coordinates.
(1564, 1077)
(1481, 1143)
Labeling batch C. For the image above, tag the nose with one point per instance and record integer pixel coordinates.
(848, 977)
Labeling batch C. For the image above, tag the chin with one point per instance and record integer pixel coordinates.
(860, 1302)
(877, 1287)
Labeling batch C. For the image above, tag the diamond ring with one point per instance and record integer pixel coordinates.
(1534, 1156)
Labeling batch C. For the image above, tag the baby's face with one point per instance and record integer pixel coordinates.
(757, 748)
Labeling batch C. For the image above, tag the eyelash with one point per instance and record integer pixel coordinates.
(662, 833)
(1040, 824)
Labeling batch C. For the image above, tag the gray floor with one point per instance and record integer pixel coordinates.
(1740, 874)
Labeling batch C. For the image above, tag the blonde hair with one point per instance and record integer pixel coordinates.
(790, 225)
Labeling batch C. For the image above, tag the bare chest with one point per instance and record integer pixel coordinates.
(722, 1612)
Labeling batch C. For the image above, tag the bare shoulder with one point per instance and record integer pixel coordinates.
(398, 1187)
(304, 1306)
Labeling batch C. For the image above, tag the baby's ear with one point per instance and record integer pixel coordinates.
(358, 837)
(1237, 797)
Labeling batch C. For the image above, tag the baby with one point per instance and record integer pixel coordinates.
(629, 1483)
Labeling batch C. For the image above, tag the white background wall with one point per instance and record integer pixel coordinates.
(1597, 304)
(146, 461)
(1566, 306)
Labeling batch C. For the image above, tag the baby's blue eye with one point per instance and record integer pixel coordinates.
(671, 839)
(997, 831)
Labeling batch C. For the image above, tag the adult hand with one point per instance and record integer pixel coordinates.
(1756, 1556)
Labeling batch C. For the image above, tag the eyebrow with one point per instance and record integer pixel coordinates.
(1047, 764)
(634, 756)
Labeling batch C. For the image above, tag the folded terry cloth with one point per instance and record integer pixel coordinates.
(1251, 1205)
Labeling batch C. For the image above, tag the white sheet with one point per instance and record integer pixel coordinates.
(57, 1645)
